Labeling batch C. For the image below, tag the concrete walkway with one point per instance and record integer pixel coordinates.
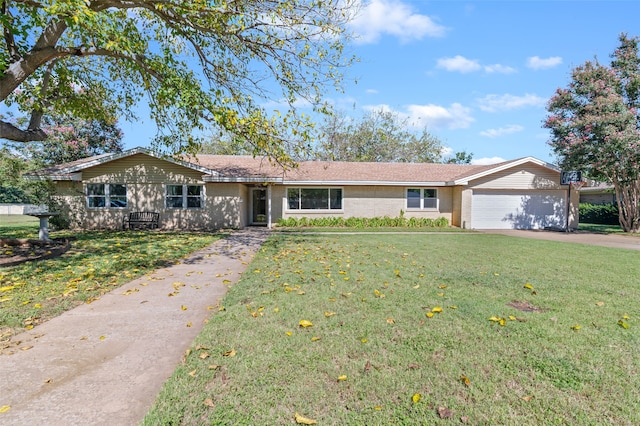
(631, 242)
(103, 363)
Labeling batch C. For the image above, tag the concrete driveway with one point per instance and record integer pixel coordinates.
(631, 242)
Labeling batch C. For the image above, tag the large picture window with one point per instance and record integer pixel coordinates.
(314, 198)
(422, 198)
(106, 195)
(184, 196)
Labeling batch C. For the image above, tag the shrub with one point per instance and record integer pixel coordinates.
(364, 222)
(605, 214)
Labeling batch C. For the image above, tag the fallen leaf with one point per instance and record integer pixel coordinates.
(576, 327)
(209, 402)
(301, 420)
(315, 338)
(214, 367)
(184, 308)
(367, 367)
(416, 398)
(364, 340)
(342, 378)
(288, 333)
(529, 286)
(391, 321)
(5, 408)
(192, 373)
(465, 380)
(203, 355)
(527, 398)
(436, 310)
(102, 337)
(429, 314)
(445, 413)
(230, 353)
(623, 324)
(377, 407)
(305, 323)
(599, 303)
(49, 380)
(329, 314)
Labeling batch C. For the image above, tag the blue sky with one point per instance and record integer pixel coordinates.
(478, 74)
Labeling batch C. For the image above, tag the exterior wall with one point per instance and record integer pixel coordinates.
(527, 176)
(456, 213)
(466, 197)
(145, 178)
(597, 197)
(367, 201)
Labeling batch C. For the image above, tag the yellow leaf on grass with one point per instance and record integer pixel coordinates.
(315, 338)
(429, 314)
(209, 402)
(623, 324)
(342, 378)
(230, 353)
(512, 318)
(329, 314)
(576, 327)
(5, 408)
(305, 323)
(599, 303)
(301, 420)
(442, 286)
(391, 321)
(416, 398)
(494, 319)
(288, 333)
(364, 340)
(436, 310)
(625, 317)
(184, 308)
(378, 407)
(529, 286)
(192, 373)
(465, 380)
(276, 310)
(203, 355)
(527, 398)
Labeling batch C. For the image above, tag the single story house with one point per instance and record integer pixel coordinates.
(598, 193)
(213, 192)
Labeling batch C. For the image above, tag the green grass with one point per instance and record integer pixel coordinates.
(97, 262)
(367, 297)
(600, 229)
(13, 220)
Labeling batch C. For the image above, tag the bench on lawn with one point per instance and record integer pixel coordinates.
(141, 220)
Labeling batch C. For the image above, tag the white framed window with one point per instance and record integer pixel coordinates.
(184, 196)
(110, 195)
(314, 198)
(422, 198)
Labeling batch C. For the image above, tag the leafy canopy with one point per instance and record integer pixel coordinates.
(595, 126)
(199, 64)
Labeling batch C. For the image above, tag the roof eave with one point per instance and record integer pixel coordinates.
(504, 166)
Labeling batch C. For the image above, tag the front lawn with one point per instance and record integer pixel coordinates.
(411, 329)
(98, 262)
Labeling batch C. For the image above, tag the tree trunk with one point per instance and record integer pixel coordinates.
(628, 199)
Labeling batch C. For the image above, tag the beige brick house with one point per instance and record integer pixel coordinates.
(213, 192)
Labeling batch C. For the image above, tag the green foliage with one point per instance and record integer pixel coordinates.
(200, 65)
(605, 214)
(460, 157)
(595, 126)
(363, 222)
(379, 136)
(15, 189)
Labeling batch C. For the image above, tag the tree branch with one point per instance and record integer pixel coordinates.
(11, 132)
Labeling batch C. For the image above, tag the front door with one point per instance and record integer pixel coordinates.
(259, 206)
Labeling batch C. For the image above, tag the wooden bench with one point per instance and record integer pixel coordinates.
(141, 220)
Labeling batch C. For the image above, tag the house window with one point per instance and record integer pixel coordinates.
(314, 198)
(184, 196)
(106, 195)
(425, 198)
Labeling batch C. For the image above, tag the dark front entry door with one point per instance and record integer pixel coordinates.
(259, 205)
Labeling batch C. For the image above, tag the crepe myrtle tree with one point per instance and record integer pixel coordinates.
(595, 126)
(199, 64)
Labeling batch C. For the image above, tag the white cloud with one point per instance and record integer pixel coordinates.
(456, 116)
(494, 103)
(494, 133)
(538, 63)
(485, 161)
(499, 69)
(459, 63)
(446, 151)
(371, 91)
(392, 17)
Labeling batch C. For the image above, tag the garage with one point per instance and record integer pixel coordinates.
(518, 209)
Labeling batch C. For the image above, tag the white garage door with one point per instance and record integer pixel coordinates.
(492, 209)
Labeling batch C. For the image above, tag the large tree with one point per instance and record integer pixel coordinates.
(595, 126)
(197, 63)
(379, 136)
